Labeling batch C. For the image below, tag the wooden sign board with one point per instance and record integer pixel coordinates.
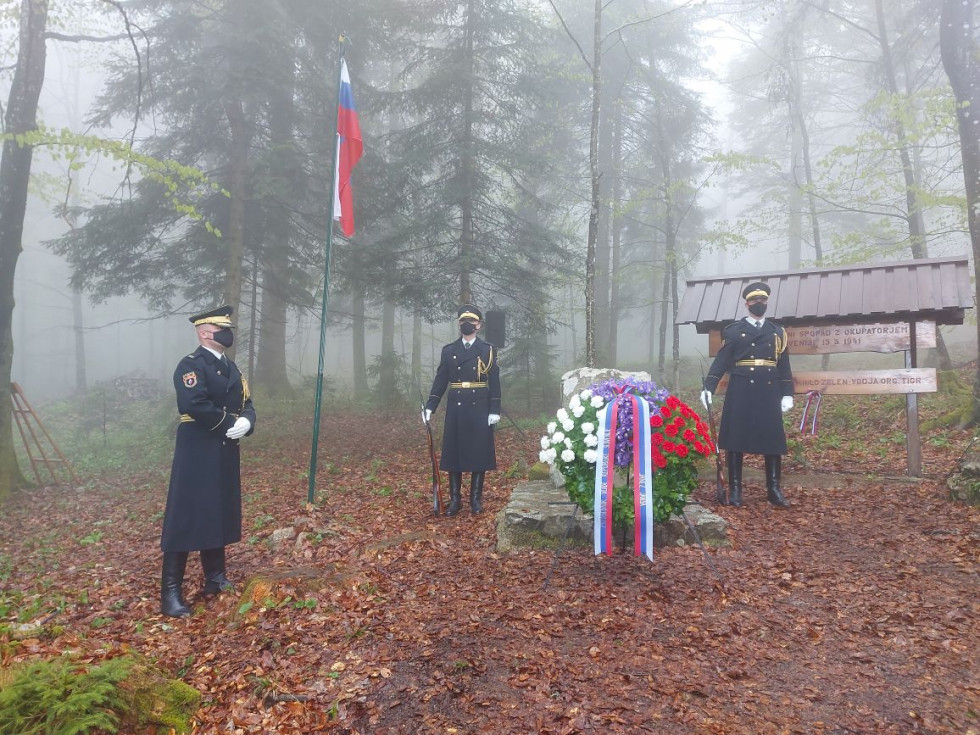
(861, 382)
(829, 339)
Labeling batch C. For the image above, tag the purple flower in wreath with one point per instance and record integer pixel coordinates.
(645, 389)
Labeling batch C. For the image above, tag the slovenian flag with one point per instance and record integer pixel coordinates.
(349, 147)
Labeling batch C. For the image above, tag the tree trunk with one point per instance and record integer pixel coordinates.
(466, 169)
(590, 346)
(358, 335)
(270, 365)
(670, 243)
(81, 379)
(652, 347)
(237, 183)
(795, 204)
(961, 59)
(387, 385)
(270, 368)
(664, 299)
(603, 249)
(615, 224)
(417, 349)
(15, 174)
(913, 208)
(917, 229)
(543, 381)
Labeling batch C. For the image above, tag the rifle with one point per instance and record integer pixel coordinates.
(721, 487)
(436, 481)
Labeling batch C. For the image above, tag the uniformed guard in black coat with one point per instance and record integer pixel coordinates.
(468, 369)
(760, 390)
(204, 503)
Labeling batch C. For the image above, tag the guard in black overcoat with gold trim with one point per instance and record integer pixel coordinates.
(468, 369)
(204, 502)
(760, 390)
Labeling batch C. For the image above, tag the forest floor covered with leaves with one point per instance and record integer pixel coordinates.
(853, 611)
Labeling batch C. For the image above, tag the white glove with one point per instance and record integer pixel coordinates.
(787, 403)
(240, 429)
(706, 398)
(426, 415)
(492, 419)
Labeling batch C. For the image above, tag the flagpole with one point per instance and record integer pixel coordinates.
(326, 289)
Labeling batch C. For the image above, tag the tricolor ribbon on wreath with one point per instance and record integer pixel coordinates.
(605, 476)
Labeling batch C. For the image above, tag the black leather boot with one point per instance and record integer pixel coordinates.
(774, 493)
(171, 601)
(455, 493)
(735, 478)
(476, 493)
(215, 581)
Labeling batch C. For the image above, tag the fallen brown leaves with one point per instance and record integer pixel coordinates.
(852, 612)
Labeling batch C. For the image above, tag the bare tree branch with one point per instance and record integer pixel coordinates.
(567, 31)
(139, 72)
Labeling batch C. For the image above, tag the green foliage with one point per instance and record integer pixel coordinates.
(107, 430)
(539, 471)
(177, 180)
(376, 466)
(59, 698)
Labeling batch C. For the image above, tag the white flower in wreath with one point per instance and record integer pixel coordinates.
(545, 442)
(574, 401)
(568, 424)
(588, 428)
(545, 456)
(562, 414)
(578, 410)
(568, 443)
(552, 426)
(591, 440)
(585, 394)
(567, 455)
(590, 456)
(597, 402)
(557, 438)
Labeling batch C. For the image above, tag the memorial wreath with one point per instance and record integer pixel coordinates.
(677, 437)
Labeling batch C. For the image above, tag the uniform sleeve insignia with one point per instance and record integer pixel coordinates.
(190, 379)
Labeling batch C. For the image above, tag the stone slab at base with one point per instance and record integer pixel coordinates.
(538, 515)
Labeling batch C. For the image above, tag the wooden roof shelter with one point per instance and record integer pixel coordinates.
(920, 293)
(934, 289)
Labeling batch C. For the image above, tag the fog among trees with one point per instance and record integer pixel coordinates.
(567, 163)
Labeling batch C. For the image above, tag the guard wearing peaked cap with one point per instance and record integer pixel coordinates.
(760, 390)
(204, 502)
(469, 371)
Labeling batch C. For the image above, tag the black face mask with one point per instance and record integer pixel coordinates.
(467, 328)
(758, 308)
(224, 337)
